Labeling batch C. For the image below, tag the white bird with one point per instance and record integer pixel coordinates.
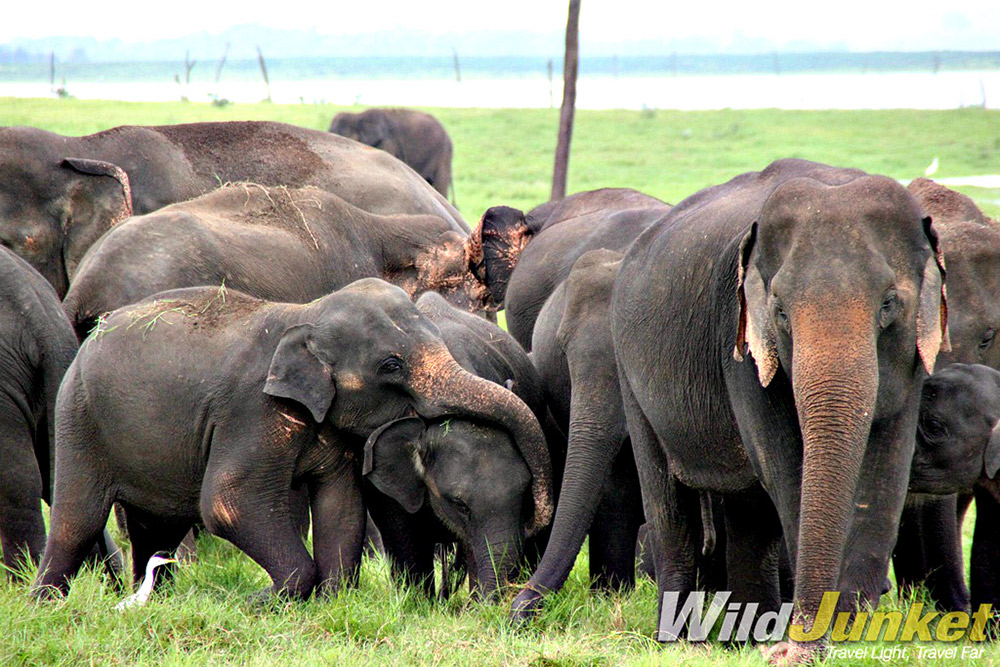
(932, 167)
(146, 588)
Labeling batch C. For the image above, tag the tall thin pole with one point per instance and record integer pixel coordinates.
(570, 66)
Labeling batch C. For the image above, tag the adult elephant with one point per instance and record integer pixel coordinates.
(279, 396)
(37, 347)
(831, 279)
(59, 194)
(279, 244)
(453, 479)
(524, 257)
(929, 547)
(415, 137)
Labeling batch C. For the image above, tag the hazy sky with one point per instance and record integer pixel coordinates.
(857, 24)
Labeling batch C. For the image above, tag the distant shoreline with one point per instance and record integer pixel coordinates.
(503, 67)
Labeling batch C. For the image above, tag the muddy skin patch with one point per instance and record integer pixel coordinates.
(210, 312)
(944, 204)
(241, 150)
(280, 207)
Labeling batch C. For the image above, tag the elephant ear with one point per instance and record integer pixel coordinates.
(392, 462)
(494, 247)
(298, 374)
(991, 457)
(104, 200)
(932, 312)
(753, 330)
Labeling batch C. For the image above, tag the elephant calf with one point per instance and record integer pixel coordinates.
(454, 477)
(208, 405)
(958, 449)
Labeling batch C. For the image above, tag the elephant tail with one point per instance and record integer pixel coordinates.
(707, 523)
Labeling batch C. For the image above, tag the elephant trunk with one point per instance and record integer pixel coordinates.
(497, 562)
(589, 459)
(447, 388)
(835, 384)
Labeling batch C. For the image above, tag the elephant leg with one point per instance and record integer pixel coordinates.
(942, 540)
(149, 535)
(410, 549)
(908, 559)
(22, 530)
(78, 519)
(645, 562)
(615, 527)
(246, 503)
(878, 504)
(984, 577)
(753, 549)
(339, 519)
(673, 511)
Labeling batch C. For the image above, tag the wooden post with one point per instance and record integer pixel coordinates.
(570, 66)
(263, 70)
(458, 69)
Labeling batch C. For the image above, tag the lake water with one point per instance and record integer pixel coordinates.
(880, 90)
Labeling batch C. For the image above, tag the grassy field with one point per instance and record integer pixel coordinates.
(501, 157)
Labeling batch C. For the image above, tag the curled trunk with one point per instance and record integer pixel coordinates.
(447, 388)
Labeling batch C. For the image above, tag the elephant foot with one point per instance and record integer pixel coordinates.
(792, 653)
(525, 606)
(47, 592)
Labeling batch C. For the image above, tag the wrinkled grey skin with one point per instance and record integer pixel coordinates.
(831, 280)
(274, 396)
(929, 548)
(958, 451)
(36, 347)
(415, 137)
(280, 244)
(454, 479)
(59, 194)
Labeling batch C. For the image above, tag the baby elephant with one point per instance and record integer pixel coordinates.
(958, 435)
(958, 450)
(456, 479)
(207, 405)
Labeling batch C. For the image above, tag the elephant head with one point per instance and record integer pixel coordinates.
(841, 295)
(472, 476)
(365, 355)
(493, 248)
(54, 205)
(370, 127)
(958, 435)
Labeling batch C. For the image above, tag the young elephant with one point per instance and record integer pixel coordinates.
(457, 478)
(36, 348)
(958, 449)
(280, 244)
(208, 405)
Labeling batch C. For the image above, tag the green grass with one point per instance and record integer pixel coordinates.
(501, 157)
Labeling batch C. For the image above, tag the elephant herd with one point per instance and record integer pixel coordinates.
(789, 378)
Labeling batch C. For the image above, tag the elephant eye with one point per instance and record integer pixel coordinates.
(460, 506)
(932, 429)
(781, 317)
(391, 364)
(889, 308)
(987, 340)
